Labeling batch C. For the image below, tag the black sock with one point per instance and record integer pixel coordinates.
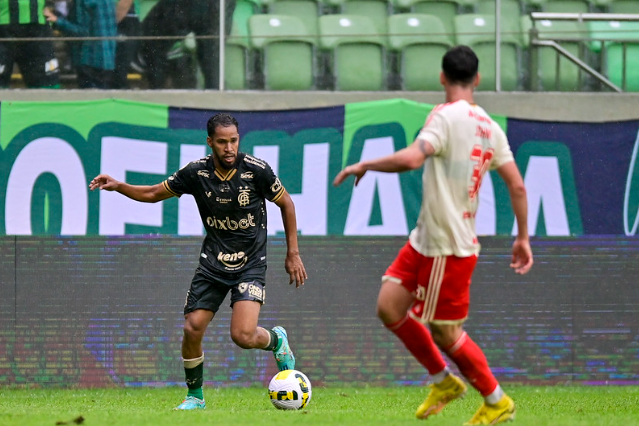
(194, 380)
(274, 344)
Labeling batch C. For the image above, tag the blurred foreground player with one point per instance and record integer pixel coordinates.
(429, 281)
(230, 188)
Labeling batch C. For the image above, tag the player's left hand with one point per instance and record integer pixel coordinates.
(295, 269)
(356, 170)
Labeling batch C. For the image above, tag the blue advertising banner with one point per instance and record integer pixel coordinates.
(596, 167)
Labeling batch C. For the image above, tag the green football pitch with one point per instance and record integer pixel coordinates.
(536, 406)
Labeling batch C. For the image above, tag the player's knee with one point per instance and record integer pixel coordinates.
(243, 338)
(192, 331)
(445, 336)
(387, 313)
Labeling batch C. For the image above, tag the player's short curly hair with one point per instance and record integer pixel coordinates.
(460, 65)
(221, 119)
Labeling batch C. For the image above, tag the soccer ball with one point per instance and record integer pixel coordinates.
(290, 390)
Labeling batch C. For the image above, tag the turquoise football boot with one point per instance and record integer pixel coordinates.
(283, 354)
(191, 403)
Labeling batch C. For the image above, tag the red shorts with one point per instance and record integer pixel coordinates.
(441, 285)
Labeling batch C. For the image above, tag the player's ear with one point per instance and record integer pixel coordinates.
(209, 142)
(442, 78)
(476, 80)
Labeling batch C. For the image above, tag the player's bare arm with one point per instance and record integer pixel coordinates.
(522, 258)
(143, 193)
(409, 158)
(293, 263)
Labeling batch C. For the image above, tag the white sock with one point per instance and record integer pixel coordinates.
(439, 377)
(192, 363)
(494, 397)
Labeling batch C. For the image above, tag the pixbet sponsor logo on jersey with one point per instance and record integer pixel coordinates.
(228, 224)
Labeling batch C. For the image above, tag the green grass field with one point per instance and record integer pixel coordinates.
(537, 406)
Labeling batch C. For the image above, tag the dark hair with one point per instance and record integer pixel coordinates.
(221, 119)
(460, 65)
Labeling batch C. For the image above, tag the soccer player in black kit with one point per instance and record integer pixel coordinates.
(230, 189)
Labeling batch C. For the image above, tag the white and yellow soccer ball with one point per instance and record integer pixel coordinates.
(290, 390)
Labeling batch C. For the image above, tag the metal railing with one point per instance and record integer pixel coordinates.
(536, 42)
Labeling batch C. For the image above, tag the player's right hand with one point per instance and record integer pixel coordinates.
(356, 170)
(522, 259)
(103, 182)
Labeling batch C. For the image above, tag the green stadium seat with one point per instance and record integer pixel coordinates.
(623, 6)
(145, 7)
(356, 51)
(532, 5)
(287, 51)
(235, 66)
(612, 36)
(566, 6)
(377, 11)
(603, 4)
(445, 10)
(244, 9)
(615, 66)
(510, 14)
(570, 36)
(306, 10)
(478, 32)
(418, 40)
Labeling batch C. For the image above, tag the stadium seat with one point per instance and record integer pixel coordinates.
(566, 6)
(623, 6)
(306, 10)
(445, 10)
(236, 60)
(287, 51)
(377, 11)
(510, 14)
(356, 52)
(478, 32)
(244, 9)
(603, 4)
(608, 39)
(145, 7)
(532, 5)
(418, 39)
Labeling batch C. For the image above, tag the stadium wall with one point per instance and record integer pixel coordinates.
(549, 106)
(106, 311)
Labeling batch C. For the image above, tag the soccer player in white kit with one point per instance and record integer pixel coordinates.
(424, 295)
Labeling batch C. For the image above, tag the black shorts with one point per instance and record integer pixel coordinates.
(209, 290)
(36, 59)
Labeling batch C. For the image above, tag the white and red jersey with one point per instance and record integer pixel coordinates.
(467, 143)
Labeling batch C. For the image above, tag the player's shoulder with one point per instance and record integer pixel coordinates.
(453, 111)
(200, 163)
(249, 162)
(198, 166)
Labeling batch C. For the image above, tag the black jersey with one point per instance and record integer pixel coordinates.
(232, 208)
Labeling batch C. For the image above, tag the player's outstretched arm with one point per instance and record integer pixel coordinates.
(522, 259)
(144, 193)
(293, 262)
(409, 158)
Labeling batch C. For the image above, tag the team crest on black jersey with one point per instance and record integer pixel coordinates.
(244, 198)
